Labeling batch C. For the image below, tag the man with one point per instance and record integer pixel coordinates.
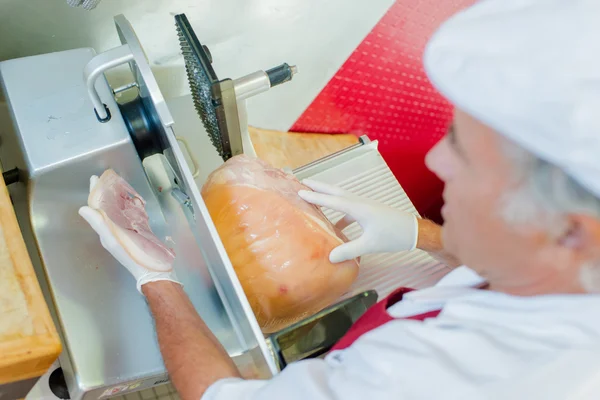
(522, 209)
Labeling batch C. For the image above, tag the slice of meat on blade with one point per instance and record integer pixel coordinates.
(124, 211)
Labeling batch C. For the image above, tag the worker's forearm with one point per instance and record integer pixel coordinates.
(430, 240)
(193, 356)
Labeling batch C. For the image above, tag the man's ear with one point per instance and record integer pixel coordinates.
(582, 235)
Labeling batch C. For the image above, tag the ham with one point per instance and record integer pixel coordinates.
(123, 209)
(278, 244)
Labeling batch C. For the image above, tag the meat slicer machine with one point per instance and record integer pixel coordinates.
(67, 125)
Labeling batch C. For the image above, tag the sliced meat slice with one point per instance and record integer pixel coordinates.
(124, 212)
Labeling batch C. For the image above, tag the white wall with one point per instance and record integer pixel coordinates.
(243, 36)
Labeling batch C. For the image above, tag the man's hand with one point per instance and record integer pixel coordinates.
(385, 229)
(110, 243)
(193, 356)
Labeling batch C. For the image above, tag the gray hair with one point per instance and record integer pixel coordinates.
(544, 194)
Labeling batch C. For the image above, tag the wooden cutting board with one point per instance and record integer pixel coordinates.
(293, 150)
(29, 343)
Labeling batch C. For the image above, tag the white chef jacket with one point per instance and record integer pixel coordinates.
(481, 342)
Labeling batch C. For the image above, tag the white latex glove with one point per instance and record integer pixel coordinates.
(385, 229)
(87, 4)
(110, 243)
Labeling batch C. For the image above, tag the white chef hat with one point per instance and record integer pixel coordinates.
(530, 69)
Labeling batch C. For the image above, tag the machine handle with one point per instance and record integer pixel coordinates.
(96, 67)
(281, 74)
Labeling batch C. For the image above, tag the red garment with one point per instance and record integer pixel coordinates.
(376, 316)
(382, 91)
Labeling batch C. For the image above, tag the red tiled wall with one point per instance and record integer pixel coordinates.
(382, 91)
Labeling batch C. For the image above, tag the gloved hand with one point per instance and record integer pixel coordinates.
(110, 243)
(385, 229)
(87, 4)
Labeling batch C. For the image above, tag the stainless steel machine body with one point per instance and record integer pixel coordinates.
(58, 143)
(59, 139)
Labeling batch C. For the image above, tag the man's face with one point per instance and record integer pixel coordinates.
(478, 175)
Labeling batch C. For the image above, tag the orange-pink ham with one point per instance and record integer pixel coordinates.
(124, 211)
(278, 244)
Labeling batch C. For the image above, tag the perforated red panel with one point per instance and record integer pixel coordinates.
(382, 91)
